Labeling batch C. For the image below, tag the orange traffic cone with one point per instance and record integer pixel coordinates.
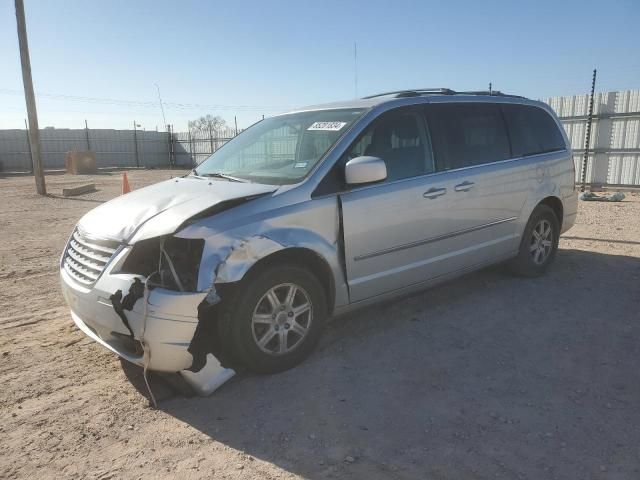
(125, 184)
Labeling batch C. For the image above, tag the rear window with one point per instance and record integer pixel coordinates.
(466, 134)
(532, 130)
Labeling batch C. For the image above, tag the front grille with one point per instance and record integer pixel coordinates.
(85, 257)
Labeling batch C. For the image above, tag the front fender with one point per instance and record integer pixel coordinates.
(229, 254)
(227, 260)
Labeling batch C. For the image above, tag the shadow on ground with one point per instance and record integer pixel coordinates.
(485, 376)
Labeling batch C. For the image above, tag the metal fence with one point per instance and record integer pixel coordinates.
(614, 157)
(113, 148)
(190, 148)
(614, 149)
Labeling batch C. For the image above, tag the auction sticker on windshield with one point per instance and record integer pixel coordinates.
(327, 126)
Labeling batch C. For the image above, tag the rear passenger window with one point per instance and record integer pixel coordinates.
(532, 130)
(466, 134)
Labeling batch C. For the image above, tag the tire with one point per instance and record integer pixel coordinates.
(535, 254)
(264, 330)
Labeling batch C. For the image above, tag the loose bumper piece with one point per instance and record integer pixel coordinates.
(170, 327)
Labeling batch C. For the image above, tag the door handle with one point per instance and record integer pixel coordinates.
(463, 187)
(434, 193)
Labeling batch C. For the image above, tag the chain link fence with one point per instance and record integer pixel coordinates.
(191, 148)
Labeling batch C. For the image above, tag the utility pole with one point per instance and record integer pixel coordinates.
(30, 99)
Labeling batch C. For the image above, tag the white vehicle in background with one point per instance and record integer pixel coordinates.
(313, 213)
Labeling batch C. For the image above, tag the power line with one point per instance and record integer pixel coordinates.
(150, 104)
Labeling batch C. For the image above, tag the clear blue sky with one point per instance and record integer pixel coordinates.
(270, 56)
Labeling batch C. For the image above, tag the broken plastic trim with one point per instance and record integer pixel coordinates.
(136, 291)
(206, 339)
(146, 358)
(173, 263)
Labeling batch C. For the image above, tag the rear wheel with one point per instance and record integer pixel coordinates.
(539, 243)
(275, 319)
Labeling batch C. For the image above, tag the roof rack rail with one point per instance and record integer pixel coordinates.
(490, 93)
(414, 92)
(440, 91)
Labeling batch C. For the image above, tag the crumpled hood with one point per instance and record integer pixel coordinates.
(169, 204)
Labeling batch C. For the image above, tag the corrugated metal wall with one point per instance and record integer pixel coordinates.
(113, 148)
(614, 157)
(14, 150)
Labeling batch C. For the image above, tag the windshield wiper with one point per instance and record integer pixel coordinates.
(223, 175)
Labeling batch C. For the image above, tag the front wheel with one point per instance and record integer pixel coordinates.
(276, 318)
(539, 243)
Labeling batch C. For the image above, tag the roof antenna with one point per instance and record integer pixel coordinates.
(490, 90)
(355, 69)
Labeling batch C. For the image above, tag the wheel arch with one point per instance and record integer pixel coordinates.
(304, 257)
(556, 205)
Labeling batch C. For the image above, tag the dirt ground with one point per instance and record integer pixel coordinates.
(488, 376)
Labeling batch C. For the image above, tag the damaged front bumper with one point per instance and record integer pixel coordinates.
(166, 324)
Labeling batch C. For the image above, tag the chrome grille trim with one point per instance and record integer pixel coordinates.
(92, 246)
(75, 276)
(84, 261)
(87, 253)
(85, 258)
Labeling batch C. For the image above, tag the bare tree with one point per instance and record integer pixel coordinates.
(207, 123)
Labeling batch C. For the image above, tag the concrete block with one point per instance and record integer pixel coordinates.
(79, 190)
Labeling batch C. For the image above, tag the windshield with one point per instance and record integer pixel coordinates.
(280, 150)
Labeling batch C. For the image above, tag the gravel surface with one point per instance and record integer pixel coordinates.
(488, 376)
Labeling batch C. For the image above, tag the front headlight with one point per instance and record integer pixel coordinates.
(175, 262)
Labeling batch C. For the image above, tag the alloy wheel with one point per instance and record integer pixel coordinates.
(541, 242)
(281, 319)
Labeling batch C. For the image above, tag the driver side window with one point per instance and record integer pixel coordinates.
(399, 137)
(358, 149)
(401, 140)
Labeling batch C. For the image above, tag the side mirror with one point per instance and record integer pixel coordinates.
(365, 170)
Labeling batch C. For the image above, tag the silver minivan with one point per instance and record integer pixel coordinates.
(309, 214)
